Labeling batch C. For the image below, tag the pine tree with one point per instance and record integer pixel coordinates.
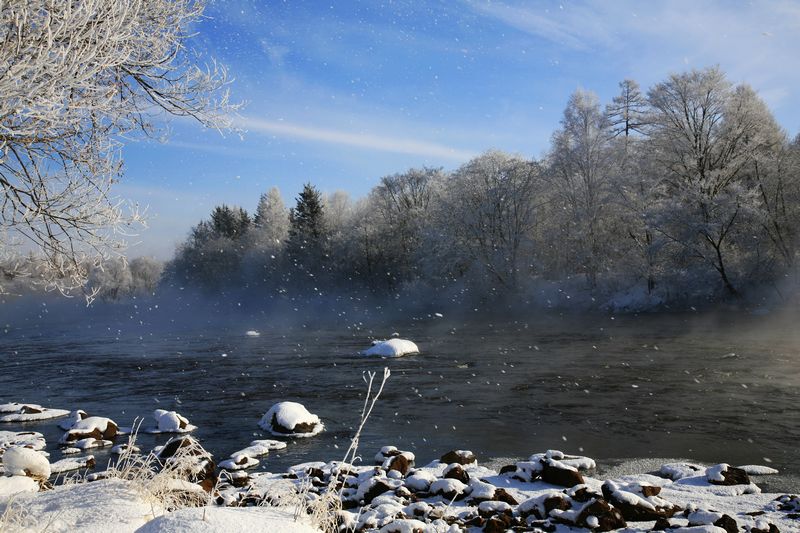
(230, 222)
(307, 245)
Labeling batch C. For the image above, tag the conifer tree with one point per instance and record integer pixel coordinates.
(307, 246)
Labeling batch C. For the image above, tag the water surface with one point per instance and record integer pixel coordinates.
(719, 388)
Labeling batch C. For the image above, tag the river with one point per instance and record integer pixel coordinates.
(704, 387)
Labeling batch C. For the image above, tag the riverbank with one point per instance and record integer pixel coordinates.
(177, 488)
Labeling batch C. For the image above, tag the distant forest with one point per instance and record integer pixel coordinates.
(687, 193)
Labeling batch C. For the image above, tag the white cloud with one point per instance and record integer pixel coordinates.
(753, 42)
(572, 28)
(366, 141)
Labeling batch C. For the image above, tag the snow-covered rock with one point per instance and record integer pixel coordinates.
(73, 418)
(119, 449)
(724, 474)
(28, 439)
(89, 443)
(238, 461)
(170, 422)
(392, 348)
(68, 464)
(20, 461)
(448, 488)
(247, 458)
(676, 471)
(28, 412)
(261, 447)
(462, 457)
(406, 525)
(196, 463)
(420, 480)
(96, 427)
(291, 419)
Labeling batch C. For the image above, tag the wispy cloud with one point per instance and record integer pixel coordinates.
(574, 27)
(753, 42)
(366, 141)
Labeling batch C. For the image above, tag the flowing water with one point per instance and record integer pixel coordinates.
(717, 388)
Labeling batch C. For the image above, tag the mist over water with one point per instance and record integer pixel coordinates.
(705, 387)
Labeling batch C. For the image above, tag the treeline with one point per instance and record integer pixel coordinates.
(111, 280)
(688, 192)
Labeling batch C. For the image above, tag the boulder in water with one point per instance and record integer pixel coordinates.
(291, 419)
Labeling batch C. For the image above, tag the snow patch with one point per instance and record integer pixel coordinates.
(392, 348)
(228, 520)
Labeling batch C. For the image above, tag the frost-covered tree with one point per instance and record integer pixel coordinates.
(580, 168)
(633, 202)
(145, 274)
(263, 256)
(113, 279)
(627, 111)
(490, 203)
(706, 135)
(271, 222)
(77, 76)
(778, 181)
(401, 207)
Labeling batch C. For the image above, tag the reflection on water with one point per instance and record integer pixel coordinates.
(707, 389)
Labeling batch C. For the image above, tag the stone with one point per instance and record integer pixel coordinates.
(633, 512)
(650, 490)
(608, 518)
(662, 524)
(455, 471)
(378, 487)
(508, 469)
(462, 457)
(498, 524)
(501, 495)
(728, 524)
(769, 528)
(302, 427)
(74, 435)
(732, 476)
(563, 477)
(399, 463)
(556, 502)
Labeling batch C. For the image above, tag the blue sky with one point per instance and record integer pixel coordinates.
(341, 93)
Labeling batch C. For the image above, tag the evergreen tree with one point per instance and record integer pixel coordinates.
(230, 222)
(307, 246)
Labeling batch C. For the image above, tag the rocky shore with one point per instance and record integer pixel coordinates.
(181, 486)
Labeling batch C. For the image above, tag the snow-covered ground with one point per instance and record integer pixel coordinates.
(548, 491)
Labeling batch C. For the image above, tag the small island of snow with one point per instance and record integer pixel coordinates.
(291, 419)
(392, 348)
